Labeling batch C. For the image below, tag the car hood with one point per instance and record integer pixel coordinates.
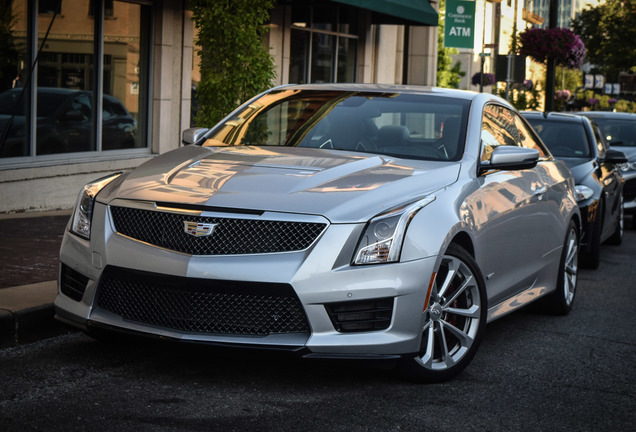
(629, 151)
(580, 168)
(342, 186)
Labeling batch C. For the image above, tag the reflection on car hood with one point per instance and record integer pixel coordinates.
(343, 186)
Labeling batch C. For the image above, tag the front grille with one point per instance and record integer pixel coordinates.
(72, 283)
(202, 306)
(629, 190)
(363, 315)
(229, 237)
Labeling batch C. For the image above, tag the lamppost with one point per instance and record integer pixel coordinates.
(550, 71)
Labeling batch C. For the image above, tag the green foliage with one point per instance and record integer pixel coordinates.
(568, 79)
(521, 97)
(608, 31)
(235, 65)
(625, 106)
(447, 76)
(593, 101)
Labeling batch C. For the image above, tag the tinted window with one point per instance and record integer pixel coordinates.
(403, 125)
(618, 131)
(563, 138)
(47, 102)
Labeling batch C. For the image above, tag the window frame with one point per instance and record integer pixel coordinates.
(338, 34)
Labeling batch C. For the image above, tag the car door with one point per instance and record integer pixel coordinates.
(514, 239)
(611, 181)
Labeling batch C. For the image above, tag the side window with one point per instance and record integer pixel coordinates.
(107, 110)
(82, 105)
(527, 138)
(497, 128)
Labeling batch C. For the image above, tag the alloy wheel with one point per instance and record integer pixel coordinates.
(570, 269)
(452, 318)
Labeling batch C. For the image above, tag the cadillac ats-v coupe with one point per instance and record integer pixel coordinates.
(336, 221)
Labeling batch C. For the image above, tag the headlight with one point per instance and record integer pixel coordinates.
(628, 166)
(581, 193)
(382, 239)
(83, 214)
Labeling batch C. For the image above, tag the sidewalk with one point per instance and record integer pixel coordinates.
(29, 248)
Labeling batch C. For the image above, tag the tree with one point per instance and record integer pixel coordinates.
(447, 76)
(235, 65)
(608, 32)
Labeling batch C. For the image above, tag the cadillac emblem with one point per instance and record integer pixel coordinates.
(198, 229)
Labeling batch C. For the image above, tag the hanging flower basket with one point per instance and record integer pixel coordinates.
(489, 79)
(561, 44)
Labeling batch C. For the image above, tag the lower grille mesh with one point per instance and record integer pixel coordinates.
(202, 306)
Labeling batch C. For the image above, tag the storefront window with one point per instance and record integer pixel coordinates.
(322, 57)
(64, 80)
(56, 113)
(323, 45)
(13, 74)
(125, 66)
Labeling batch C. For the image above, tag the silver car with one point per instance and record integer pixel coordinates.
(335, 221)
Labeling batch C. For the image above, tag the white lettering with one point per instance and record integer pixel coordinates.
(459, 31)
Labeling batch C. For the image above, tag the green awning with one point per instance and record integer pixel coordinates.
(416, 12)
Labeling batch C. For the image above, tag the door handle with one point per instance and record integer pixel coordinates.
(539, 192)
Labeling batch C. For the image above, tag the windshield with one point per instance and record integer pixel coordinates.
(563, 139)
(618, 131)
(395, 124)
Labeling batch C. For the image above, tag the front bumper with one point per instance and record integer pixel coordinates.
(319, 277)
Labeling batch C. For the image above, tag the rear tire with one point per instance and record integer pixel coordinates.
(453, 322)
(560, 301)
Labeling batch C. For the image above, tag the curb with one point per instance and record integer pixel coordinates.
(27, 314)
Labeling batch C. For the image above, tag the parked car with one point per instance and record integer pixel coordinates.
(335, 221)
(64, 122)
(599, 185)
(619, 129)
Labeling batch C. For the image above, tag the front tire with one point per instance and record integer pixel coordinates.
(453, 321)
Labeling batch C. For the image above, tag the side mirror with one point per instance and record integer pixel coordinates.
(511, 158)
(615, 156)
(193, 135)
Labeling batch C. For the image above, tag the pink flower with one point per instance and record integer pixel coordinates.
(562, 95)
(559, 43)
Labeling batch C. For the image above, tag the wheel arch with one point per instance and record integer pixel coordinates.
(464, 240)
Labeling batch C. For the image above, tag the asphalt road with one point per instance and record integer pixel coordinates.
(533, 372)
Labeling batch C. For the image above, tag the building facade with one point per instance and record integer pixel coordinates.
(89, 87)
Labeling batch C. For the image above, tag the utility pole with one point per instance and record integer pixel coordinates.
(551, 69)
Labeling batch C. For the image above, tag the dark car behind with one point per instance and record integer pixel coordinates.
(619, 129)
(579, 143)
